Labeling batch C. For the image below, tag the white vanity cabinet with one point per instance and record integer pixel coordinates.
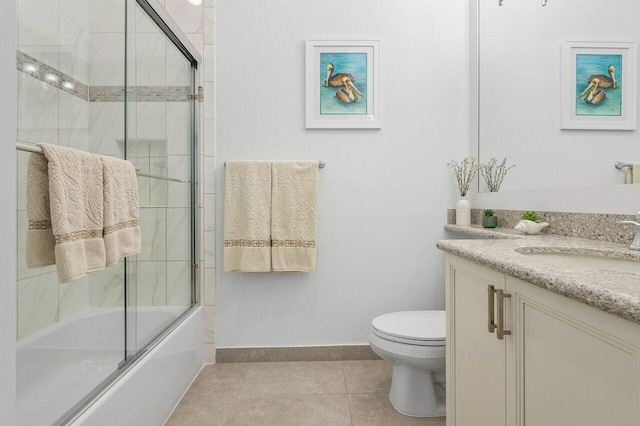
(560, 362)
(475, 358)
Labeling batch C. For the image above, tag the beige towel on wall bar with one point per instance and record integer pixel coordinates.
(76, 208)
(294, 215)
(247, 216)
(632, 173)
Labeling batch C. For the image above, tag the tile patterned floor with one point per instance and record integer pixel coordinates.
(322, 393)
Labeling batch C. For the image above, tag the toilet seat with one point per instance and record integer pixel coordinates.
(418, 328)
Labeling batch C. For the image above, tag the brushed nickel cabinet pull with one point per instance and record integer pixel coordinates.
(491, 324)
(501, 331)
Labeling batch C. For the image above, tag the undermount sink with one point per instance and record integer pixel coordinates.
(586, 260)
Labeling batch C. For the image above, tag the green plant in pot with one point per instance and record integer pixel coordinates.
(489, 220)
(530, 223)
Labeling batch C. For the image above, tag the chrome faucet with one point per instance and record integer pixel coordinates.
(635, 244)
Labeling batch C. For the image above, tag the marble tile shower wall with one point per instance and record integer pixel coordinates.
(91, 51)
(53, 36)
(209, 167)
(197, 22)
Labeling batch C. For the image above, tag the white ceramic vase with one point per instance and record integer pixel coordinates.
(463, 212)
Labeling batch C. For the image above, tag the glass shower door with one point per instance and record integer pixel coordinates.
(70, 336)
(160, 81)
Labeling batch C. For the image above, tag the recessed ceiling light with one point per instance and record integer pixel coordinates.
(195, 2)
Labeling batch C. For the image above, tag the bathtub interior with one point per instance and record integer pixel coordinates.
(58, 366)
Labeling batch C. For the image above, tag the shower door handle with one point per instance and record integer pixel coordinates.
(491, 323)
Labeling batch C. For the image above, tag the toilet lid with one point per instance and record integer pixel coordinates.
(422, 326)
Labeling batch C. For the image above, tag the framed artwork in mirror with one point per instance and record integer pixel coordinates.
(599, 85)
(342, 84)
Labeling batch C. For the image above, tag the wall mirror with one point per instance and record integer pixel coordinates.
(519, 84)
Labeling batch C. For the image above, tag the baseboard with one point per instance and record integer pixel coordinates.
(307, 353)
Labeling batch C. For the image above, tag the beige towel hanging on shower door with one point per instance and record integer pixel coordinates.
(41, 242)
(121, 231)
(75, 193)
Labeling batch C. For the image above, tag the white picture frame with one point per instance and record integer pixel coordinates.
(358, 104)
(615, 107)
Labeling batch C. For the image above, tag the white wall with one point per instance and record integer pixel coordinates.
(8, 130)
(383, 194)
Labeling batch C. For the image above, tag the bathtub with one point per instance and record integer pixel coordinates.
(58, 366)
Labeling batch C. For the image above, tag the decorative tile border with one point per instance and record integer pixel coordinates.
(310, 353)
(140, 93)
(47, 74)
(589, 226)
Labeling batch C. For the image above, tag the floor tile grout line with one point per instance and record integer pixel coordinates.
(293, 394)
(235, 394)
(346, 390)
(344, 377)
(235, 399)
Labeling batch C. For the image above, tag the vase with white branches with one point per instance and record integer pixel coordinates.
(494, 173)
(465, 172)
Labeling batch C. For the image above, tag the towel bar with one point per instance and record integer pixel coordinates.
(321, 164)
(21, 146)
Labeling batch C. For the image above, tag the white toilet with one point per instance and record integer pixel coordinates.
(414, 343)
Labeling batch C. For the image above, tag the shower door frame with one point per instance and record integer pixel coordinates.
(171, 30)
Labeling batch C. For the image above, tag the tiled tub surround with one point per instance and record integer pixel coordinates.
(85, 40)
(140, 94)
(55, 114)
(164, 260)
(615, 292)
(50, 75)
(45, 73)
(590, 226)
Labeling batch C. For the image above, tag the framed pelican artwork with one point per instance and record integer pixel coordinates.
(342, 84)
(599, 85)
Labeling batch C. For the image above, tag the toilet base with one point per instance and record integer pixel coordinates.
(413, 392)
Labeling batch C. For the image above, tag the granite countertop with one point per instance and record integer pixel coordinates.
(480, 231)
(615, 292)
